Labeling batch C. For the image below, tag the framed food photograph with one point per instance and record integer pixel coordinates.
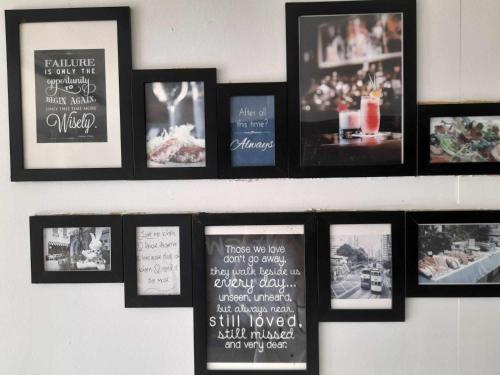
(459, 138)
(157, 258)
(76, 249)
(251, 125)
(361, 266)
(255, 294)
(453, 254)
(175, 134)
(69, 93)
(351, 68)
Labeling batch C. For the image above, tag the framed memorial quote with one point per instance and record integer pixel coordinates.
(174, 123)
(76, 249)
(351, 88)
(459, 138)
(157, 257)
(453, 254)
(251, 124)
(69, 93)
(255, 294)
(361, 266)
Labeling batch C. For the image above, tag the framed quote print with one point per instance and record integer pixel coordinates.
(157, 257)
(361, 266)
(351, 88)
(255, 294)
(459, 138)
(76, 249)
(174, 124)
(453, 254)
(69, 93)
(251, 125)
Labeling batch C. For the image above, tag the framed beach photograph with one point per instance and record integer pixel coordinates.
(453, 254)
(69, 93)
(76, 249)
(459, 138)
(251, 125)
(361, 266)
(255, 294)
(157, 258)
(351, 88)
(175, 134)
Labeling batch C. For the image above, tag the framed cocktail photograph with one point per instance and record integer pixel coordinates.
(255, 294)
(351, 69)
(361, 266)
(69, 93)
(453, 254)
(459, 138)
(175, 135)
(251, 125)
(76, 249)
(157, 259)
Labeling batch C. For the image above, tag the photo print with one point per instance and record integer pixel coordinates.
(361, 266)
(175, 124)
(351, 89)
(458, 254)
(77, 249)
(256, 298)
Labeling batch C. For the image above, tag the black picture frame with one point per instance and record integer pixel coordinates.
(200, 221)
(38, 273)
(13, 20)
(413, 288)
(140, 78)
(426, 112)
(296, 10)
(130, 225)
(224, 94)
(397, 311)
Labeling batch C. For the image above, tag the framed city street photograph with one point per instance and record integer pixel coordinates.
(351, 88)
(255, 294)
(76, 249)
(69, 93)
(251, 125)
(157, 258)
(175, 135)
(459, 138)
(453, 254)
(361, 266)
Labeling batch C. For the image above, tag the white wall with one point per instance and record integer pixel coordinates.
(84, 329)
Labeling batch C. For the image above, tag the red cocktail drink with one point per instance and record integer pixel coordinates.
(370, 114)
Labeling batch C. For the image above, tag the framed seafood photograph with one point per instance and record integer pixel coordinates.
(453, 254)
(175, 134)
(255, 294)
(157, 258)
(459, 138)
(76, 249)
(361, 266)
(69, 93)
(251, 125)
(351, 88)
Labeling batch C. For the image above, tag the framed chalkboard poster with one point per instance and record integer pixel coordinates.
(69, 93)
(255, 294)
(251, 125)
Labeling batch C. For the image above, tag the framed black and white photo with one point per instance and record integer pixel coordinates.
(76, 249)
(351, 68)
(251, 124)
(453, 254)
(69, 93)
(157, 258)
(459, 138)
(255, 294)
(174, 123)
(361, 266)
